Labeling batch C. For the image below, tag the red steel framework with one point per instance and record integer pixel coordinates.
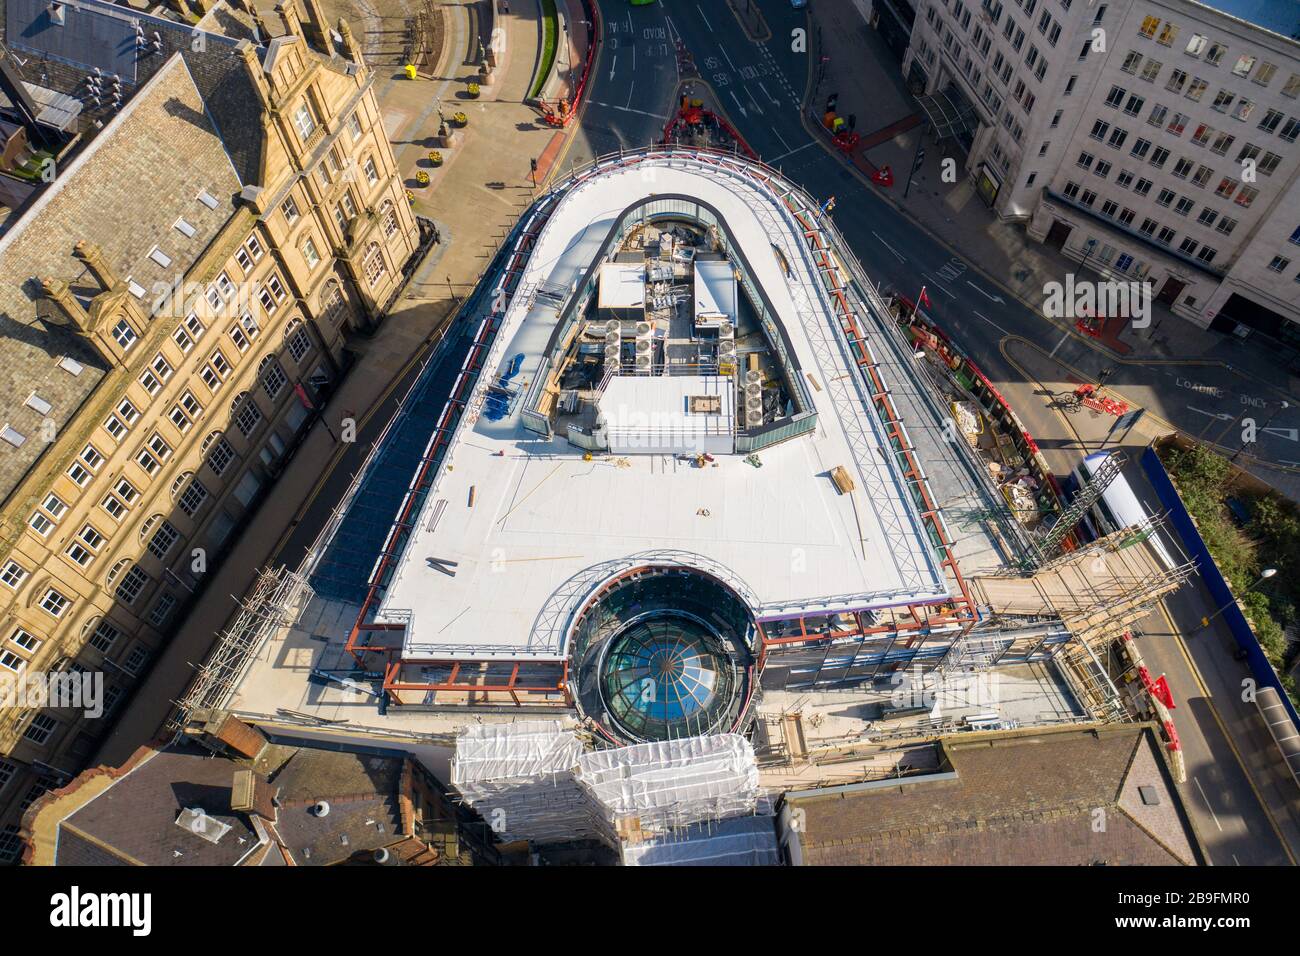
(378, 638)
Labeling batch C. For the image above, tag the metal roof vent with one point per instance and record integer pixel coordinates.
(58, 14)
(321, 809)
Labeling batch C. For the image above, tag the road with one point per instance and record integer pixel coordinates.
(761, 86)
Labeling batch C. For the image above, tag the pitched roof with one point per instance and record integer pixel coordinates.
(134, 820)
(124, 193)
(1062, 798)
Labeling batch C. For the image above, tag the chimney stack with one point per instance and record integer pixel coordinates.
(224, 733)
(289, 14)
(93, 258)
(317, 27)
(60, 293)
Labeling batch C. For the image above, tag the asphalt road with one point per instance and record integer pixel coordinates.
(761, 86)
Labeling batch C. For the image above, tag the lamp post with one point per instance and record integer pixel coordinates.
(1264, 576)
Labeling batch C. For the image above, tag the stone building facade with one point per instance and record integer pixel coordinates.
(1154, 138)
(175, 307)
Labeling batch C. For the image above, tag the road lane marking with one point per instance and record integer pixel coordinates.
(938, 285)
(728, 59)
(743, 111)
(627, 109)
(704, 18)
(888, 246)
(1223, 731)
(1213, 815)
(772, 99)
(782, 139)
(993, 298)
(797, 149)
(1052, 354)
(613, 63)
(991, 322)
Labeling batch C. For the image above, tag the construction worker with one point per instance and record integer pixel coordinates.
(837, 125)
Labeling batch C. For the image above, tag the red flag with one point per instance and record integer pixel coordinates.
(925, 299)
(1160, 690)
(302, 396)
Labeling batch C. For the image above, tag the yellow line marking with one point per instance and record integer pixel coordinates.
(1209, 699)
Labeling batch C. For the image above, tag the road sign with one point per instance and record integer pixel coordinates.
(1125, 423)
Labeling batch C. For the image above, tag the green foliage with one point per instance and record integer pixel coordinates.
(550, 33)
(1270, 540)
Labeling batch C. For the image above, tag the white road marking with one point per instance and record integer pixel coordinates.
(612, 64)
(704, 18)
(738, 106)
(797, 149)
(754, 101)
(888, 246)
(991, 322)
(727, 58)
(992, 298)
(1221, 416)
(1207, 804)
(1290, 434)
(627, 109)
(939, 285)
(1058, 344)
(772, 99)
(782, 139)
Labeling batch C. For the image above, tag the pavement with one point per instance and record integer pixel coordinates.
(474, 198)
(1240, 796)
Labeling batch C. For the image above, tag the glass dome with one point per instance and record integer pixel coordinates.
(662, 676)
(662, 653)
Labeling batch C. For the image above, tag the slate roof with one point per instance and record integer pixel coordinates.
(1016, 801)
(124, 192)
(361, 790)
(134, 820)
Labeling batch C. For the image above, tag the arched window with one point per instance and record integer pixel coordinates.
(375, 267)
(149, 525)
(115, 572)
(179, 483)
(272, 376)
(333, 306)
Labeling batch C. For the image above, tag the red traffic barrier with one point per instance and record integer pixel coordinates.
(884, 176)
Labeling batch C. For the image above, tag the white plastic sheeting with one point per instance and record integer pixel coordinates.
(519, 778)
(740, 841)
(531, 781)
(673, 783)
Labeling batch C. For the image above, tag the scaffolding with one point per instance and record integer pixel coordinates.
(1091, 492)
(1098, 593)
(652, 789)
(273, 604)
(742, 841)
(520, 779)
(530, 780)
